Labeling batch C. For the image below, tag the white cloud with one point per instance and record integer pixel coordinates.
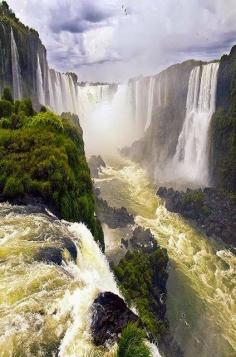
(99, 41)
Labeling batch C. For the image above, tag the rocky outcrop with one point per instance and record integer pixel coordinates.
(212, 210)
(113, 217)
(95, 164)
(110, 315)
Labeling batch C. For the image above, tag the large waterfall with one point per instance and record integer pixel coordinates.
(16, 72)
(191, 157)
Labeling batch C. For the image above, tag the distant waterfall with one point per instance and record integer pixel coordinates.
(191, 157)
(16, 74)
(40, 88)
(150, 101)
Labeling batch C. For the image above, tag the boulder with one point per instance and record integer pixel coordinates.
(110, 315)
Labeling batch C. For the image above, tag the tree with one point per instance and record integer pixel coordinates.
(7, 95)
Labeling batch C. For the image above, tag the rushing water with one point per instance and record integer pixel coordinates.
(191, 158)
(202, 281)
(16, 73)
(45, 308)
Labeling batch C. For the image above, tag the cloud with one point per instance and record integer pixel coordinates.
(117, 39)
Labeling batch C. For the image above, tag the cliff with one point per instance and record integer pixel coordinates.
(169, 108)
(223, 126)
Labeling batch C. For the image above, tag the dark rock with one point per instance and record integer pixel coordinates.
(143, 240)
(113, 217)
(70, 246)
(110, 315)
(49, 255)
(95, 164)
(212, 210)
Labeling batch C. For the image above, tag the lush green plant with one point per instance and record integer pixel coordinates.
(132, 343)
(141, 289)
(7, 95)
(195, 197)
(42, 155)
(6, 108)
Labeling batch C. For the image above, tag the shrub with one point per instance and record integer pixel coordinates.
(6, 108)
(132, 343)
(7, 95)
(13, 187)
(47, 120)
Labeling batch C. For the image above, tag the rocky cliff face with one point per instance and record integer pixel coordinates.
(160, 139)
(223, 126)
(28, 49)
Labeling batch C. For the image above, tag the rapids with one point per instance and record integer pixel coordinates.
(45, 308)
(202, 276)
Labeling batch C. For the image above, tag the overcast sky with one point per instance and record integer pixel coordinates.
(109, 40)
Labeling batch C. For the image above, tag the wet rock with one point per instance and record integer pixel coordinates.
(212, 210)
(110, 315)
(70, 246)
(113, 217)
(143, 240)
(49, 255)
(95, 164)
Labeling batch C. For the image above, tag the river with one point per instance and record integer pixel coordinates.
(201, 301)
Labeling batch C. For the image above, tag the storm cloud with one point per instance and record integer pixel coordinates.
(113, 40)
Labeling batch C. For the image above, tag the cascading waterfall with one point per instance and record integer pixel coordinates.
(191, 157)
(40, 87)
(150, 101)
(16, 73)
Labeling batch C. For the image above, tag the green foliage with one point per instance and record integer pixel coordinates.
(223, 133)
(132, 343)
(13, 187)
(6, 108)
(7, 95)
(195, 197)
(46, 120)
(42, 155)
(141, 289)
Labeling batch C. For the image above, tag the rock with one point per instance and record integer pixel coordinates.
(113, 217)
(70, 246)
(213, 211)
(110, 315)
(95, 164)
(143, 240)
(49, 255)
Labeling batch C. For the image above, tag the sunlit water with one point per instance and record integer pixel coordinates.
(202, 275)
(45, 309)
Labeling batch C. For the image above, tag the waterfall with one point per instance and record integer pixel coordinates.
(191, 157)
(16, 74)
(40, 87)
(150, 101)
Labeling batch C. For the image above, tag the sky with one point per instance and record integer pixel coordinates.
(113, 40)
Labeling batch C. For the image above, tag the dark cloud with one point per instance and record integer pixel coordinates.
(78, 18)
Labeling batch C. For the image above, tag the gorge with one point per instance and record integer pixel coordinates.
(147, 236)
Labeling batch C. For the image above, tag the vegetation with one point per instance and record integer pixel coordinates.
(42, 156)
(8, 17)
(223, 126)
(132, 343)
(144, 290)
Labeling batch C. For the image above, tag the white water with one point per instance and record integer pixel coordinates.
(43, 306)
(150, 101)
(16, 73)
(40, 87)
(191, 158)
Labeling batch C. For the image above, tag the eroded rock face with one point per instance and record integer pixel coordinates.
(110, 315)
(95, 164)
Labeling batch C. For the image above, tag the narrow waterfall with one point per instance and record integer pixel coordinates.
(40, 87)
(191, 157)
(150, 101)
(16, 74)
